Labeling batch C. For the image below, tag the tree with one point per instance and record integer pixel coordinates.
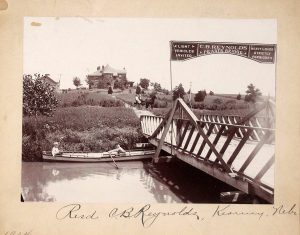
(38, 96)
(238, 97)
(157, 87)
(89, 82)
(76, 82)
(211, 93)
(165, 91)
(178, 92)
(252, 93)
(144, 82)
(200, 96)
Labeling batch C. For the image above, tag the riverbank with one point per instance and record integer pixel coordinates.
(83, 128)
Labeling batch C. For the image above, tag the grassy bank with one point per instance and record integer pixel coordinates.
(93, 98)
(84, 128)
(227, 111)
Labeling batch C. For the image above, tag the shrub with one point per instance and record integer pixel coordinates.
(199, 105)
(200, 96)
(138, 90)
(85, 128)
(38, 97)
(178, 92)
(144, 82)
(252, 93)
(217, 101)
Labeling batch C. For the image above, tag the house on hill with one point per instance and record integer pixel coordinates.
(55, 85)
(106, 76)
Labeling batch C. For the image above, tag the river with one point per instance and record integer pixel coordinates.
(132, 182)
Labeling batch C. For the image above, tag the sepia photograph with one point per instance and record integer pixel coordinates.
(148, 110)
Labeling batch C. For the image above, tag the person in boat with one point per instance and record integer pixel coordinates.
(55, 149)
(117, 150)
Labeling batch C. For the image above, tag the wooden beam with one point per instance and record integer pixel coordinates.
(239, 147)
(215, 151)
(156, 132)
(187, 124)
(189, 112)
(227, 142)
(210, 129)
(164, 134)
(179, 124)
(195, 142)
(218, 173)
(215, 142)
(248, 116)
(255, 151)
(266, 167)
(189, 138)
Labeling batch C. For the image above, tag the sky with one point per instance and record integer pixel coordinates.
(75, 46)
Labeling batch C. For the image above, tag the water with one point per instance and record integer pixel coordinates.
(133, 182)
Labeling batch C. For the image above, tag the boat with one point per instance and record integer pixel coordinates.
(129, 155)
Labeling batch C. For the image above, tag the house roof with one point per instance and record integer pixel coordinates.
(107, 69)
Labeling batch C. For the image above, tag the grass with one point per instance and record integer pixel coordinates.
(128, 98)
(94, 98)
(228, 106)
(84, 128)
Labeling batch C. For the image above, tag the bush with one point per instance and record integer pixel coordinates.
(84, 128)
(252, 93)
(200, 96)
(110, 90)
(160, 104)
(144, 83)
(38, 97)
(138, 90)
(199, 105)
(217, 101)
(178, 92)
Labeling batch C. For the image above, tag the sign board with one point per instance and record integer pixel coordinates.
(184, 50)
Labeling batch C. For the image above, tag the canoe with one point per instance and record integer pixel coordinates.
(98, 157)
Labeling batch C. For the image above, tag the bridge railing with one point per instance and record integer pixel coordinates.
(217, 143)
(256, 121)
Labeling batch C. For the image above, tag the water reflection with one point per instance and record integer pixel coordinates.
(132, 182)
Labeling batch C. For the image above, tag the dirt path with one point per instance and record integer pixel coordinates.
(139, 112)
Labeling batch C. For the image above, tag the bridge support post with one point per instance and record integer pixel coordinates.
(165, 132)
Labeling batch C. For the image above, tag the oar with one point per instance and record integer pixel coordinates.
(113, 161)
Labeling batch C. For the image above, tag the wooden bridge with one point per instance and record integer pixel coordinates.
(239, 151)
